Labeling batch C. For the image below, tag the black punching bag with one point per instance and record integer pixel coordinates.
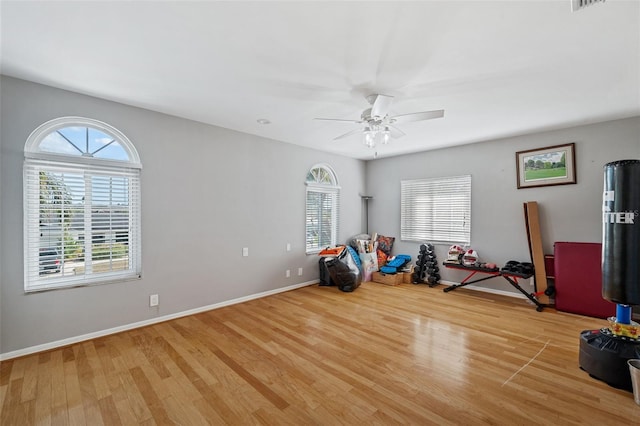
(621, 232)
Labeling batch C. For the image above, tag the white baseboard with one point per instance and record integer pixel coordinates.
(101, 333)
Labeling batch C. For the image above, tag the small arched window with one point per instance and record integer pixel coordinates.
(322, 205)
(82, 205)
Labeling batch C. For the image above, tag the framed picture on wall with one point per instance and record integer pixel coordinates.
(553, 165)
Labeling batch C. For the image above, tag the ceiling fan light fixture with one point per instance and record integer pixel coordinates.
(368, 137)
(374, 134)
(386, 135)
(378, 124)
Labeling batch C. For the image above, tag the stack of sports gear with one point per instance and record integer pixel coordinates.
(343, 270)
(470, 258)
(396, 263)
(455, 254)
(520, 268)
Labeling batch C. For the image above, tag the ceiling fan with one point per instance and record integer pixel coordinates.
(378, 125)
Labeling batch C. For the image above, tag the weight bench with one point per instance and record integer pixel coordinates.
(511, 277)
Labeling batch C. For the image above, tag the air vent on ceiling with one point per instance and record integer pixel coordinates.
(581, 4)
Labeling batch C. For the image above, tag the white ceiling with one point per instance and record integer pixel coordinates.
(497, 68)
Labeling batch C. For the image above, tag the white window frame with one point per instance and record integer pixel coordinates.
(84, 168)
(321, 180)
(436, 210)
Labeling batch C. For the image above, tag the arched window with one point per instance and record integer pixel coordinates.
(323, 200)
(82, 205)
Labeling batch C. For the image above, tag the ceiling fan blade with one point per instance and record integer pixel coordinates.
(381, 105)
(353, 132)
(396, 133)
(339, 119)
(417, 116)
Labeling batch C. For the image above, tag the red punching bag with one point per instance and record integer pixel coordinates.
(621, 232)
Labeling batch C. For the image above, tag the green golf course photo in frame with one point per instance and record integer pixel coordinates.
(553, 165)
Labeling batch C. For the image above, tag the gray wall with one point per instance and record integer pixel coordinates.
(568, 212)
(207, 192)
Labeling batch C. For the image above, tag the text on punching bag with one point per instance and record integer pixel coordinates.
(615, 217)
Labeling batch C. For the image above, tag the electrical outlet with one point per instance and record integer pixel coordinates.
(153, 300)
(288, 246)
(287, 273)
(299, 272)
(245, 251)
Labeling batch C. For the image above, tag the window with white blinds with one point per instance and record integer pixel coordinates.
(322, 206)
(436, 210)
(82, 205)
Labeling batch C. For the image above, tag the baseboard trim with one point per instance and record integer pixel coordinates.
(76, 339)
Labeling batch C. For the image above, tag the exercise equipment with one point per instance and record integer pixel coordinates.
(604, 353)
(511, 274)
(522, 268)
(426, 270)
(578, 279)
(470, 257)
(621, 233)
(534, 237)
(396, 263)
(455, 254)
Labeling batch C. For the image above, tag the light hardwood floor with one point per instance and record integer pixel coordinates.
(408, 354)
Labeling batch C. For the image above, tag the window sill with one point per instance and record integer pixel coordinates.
(81, 283)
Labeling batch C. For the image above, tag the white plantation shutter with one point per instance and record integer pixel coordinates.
(322, 207)
(322, 218)
(93, 214)
(82, 212)
(436, 210)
